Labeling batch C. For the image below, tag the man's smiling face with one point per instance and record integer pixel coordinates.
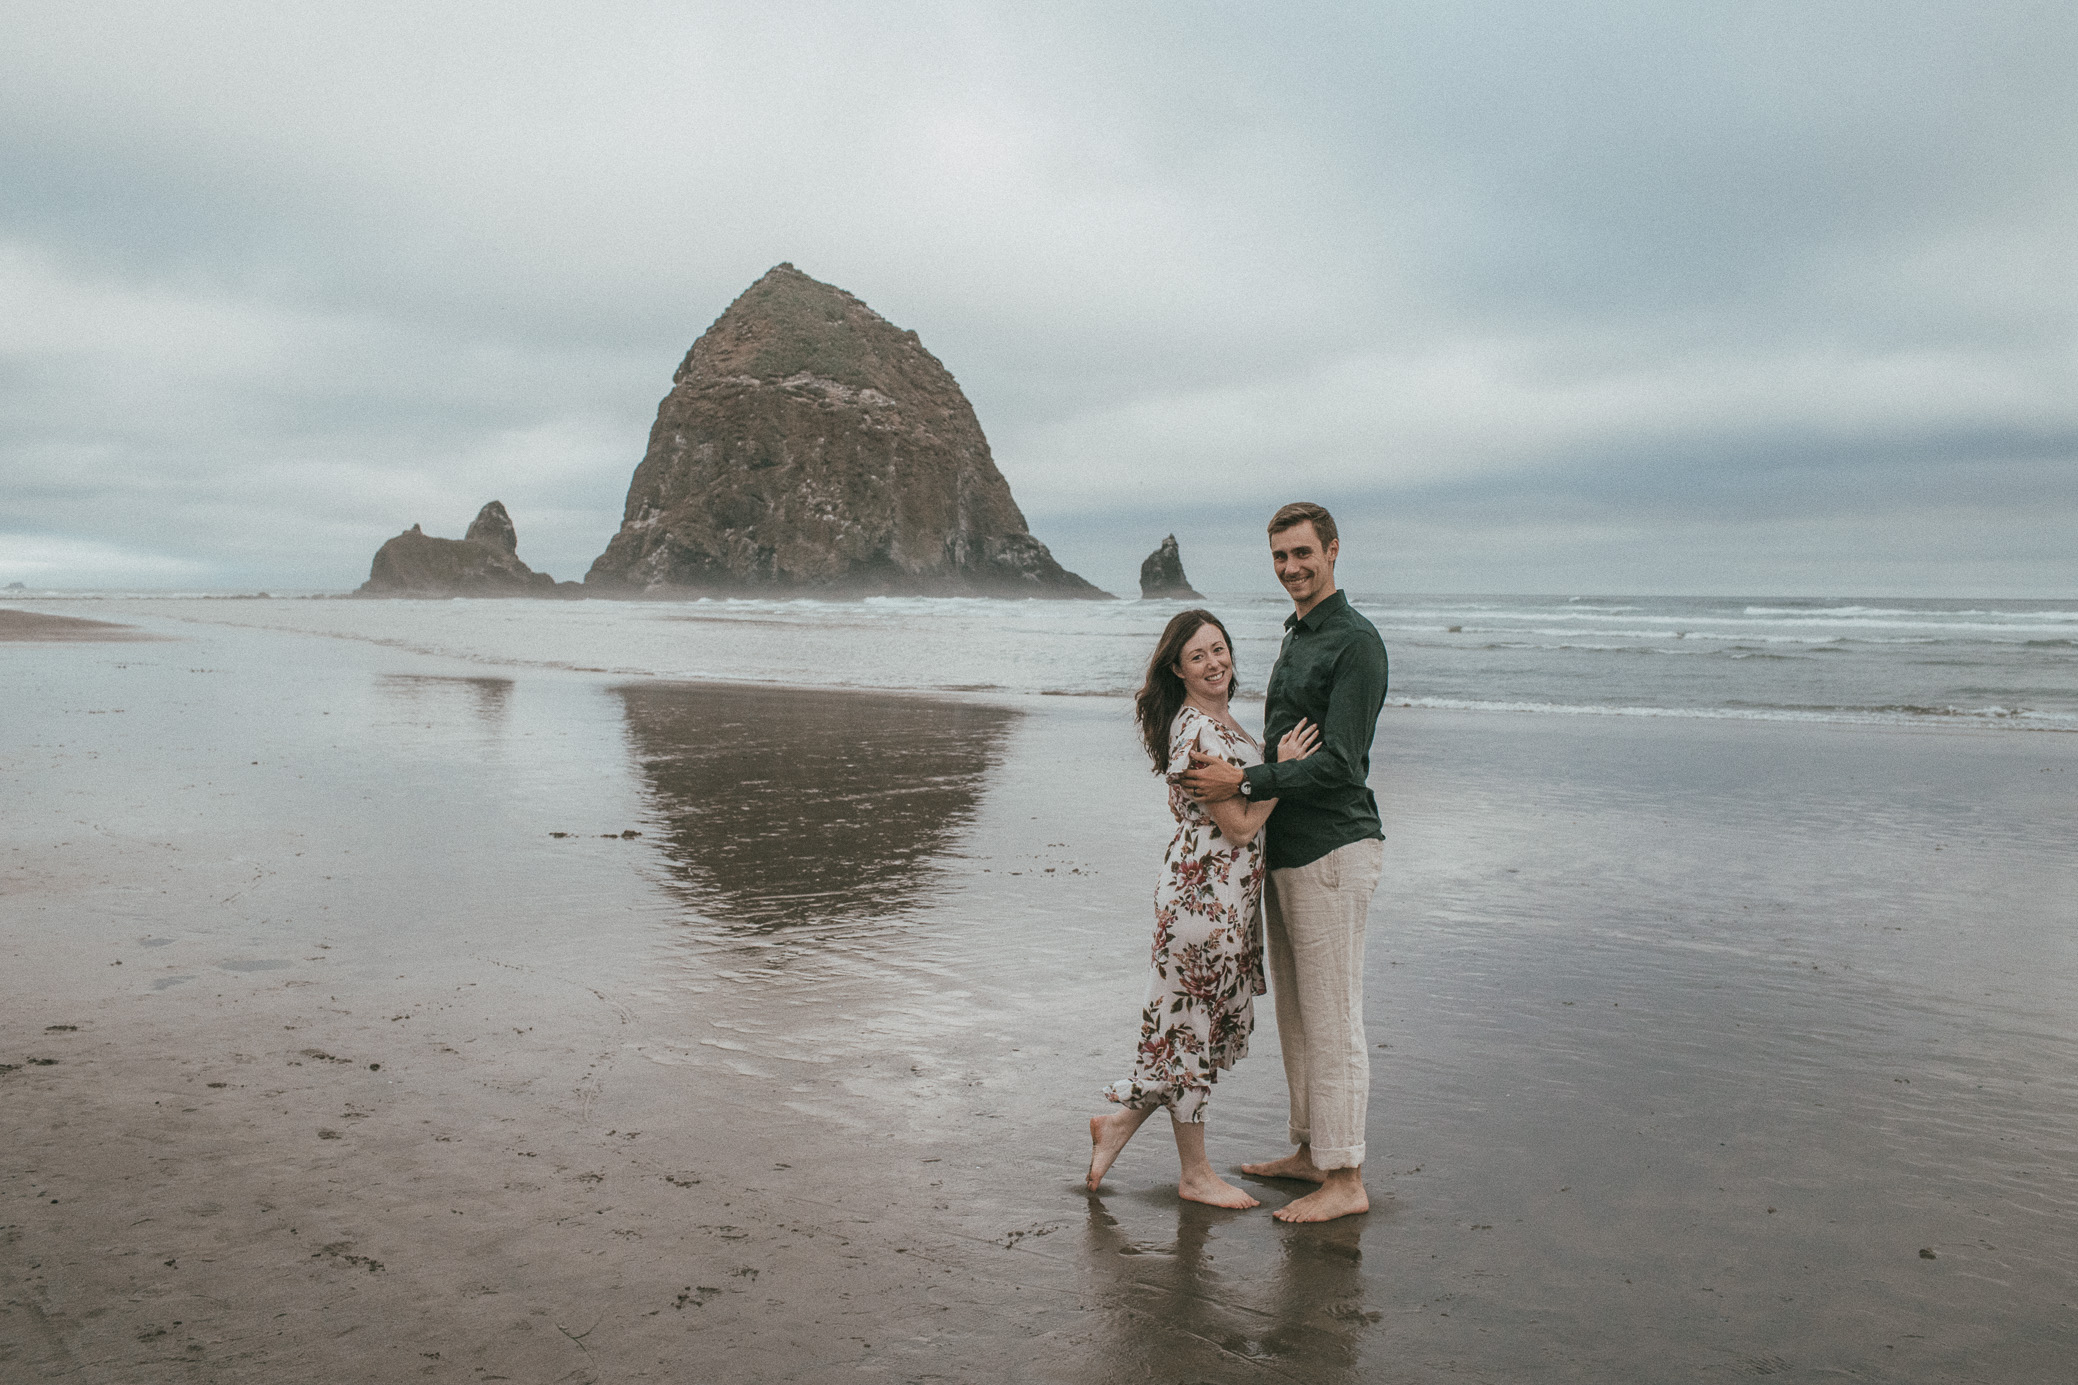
(1303, 566)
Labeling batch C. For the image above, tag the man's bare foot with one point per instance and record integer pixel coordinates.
(1108, 1135)
(1336, 1197)
(1299, 1165)
(1214, 1191)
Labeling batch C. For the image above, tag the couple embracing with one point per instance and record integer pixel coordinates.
(1304, 817)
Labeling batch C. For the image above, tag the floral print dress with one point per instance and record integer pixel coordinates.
(1208, 942)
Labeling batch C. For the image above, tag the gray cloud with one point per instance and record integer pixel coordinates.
(1586, 297)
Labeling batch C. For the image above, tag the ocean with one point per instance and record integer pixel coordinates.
(2006, 664)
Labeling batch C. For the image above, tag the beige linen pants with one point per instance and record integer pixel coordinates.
(1315, 915)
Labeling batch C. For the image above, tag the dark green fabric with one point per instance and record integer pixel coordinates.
(1332, 671)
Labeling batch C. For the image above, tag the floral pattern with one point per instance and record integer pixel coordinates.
(1208, 942)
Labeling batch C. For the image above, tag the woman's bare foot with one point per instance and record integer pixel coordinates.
(1195, 1180)
(1341, 1194)
(1108, 1135)
(1214, 1191)
(1299, 1165)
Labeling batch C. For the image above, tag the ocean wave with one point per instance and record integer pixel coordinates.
(1533, 646)
(1523, 638)
(1887, 715)
(1902, 611)
(968, 647)
(1732, 626)
(200, 594)
(1401, 616)
(1961, 629)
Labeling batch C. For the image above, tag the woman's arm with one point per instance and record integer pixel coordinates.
(1239, 819)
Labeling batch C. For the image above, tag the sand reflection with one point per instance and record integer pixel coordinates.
(780, 807)
(488, 699)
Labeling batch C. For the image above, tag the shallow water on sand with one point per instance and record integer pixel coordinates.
(1691, 1036)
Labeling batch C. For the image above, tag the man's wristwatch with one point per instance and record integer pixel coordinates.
(1247, 789)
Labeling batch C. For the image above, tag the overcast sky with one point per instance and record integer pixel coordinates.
(1753, 298)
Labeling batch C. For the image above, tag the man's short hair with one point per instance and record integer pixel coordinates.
(1305, 512)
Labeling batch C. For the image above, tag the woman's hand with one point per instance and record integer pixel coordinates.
(1299, 742)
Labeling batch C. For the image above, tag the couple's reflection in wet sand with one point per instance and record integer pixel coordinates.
(1193, 1307)
(783, 807)
(789, 809)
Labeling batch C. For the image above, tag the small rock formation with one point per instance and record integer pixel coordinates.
(486, 563)
(494, 527)
(810, 446)
(1161, 574)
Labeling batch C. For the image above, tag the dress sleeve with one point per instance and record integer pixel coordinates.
(1192, 730)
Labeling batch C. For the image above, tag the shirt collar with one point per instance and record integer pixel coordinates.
(1333, 601)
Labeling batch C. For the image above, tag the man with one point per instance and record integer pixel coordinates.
(1325, 850)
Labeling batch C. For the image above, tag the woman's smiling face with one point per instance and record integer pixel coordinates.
(1206, 665)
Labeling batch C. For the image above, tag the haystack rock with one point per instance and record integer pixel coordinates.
(810, 446)
(1161, 574)
(486, 563)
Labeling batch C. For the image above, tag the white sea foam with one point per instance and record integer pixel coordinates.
(1890, 611)
(1865, 716)
(1729, 624)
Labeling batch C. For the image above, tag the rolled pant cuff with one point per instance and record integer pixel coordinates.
(1349, 1157)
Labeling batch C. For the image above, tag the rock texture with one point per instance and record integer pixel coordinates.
(808, 445)
(494, 527)
(1161, 573)
(486, 563)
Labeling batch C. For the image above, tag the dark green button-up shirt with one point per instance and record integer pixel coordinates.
(1331, 671)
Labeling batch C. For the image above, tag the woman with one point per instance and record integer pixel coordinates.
(1208, 942)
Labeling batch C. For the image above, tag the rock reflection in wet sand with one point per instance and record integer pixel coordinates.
(780, 807)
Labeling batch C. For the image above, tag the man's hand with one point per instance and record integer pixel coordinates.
(1211, 779)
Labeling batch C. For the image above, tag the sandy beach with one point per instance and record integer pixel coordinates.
(35, 627)
(369, 1015)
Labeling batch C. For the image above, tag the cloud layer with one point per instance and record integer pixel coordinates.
(1768, 298)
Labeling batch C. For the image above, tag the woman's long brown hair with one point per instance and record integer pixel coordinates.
(1161, 695)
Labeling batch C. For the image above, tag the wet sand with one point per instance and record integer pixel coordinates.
(22, 627)
(369, 1016)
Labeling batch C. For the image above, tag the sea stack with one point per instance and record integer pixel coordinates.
(809, 446)
(493, 526)
(1161, 575)
(486, 563)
